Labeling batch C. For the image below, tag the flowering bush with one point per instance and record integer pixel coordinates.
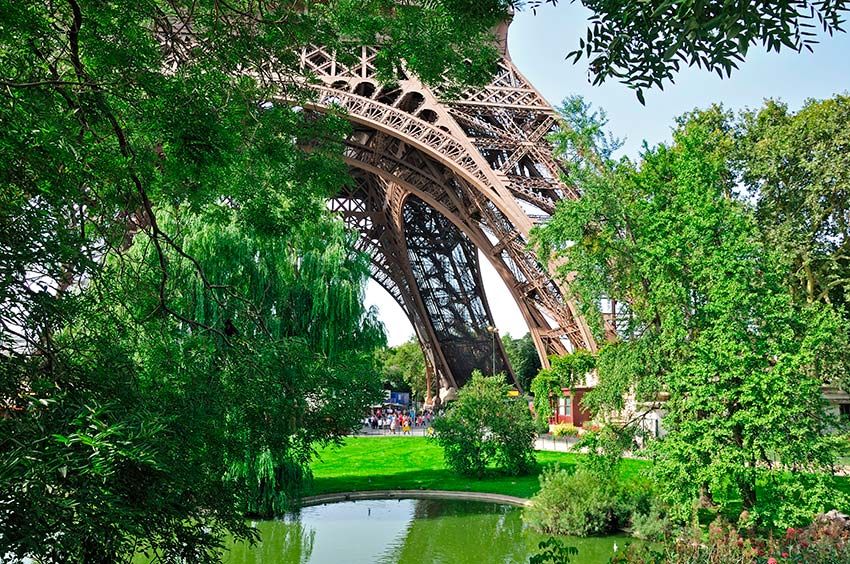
(826, 541)
(565, 430)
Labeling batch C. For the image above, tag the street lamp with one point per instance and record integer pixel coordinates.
(493, 330)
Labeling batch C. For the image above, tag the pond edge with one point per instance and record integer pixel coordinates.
(312, 500)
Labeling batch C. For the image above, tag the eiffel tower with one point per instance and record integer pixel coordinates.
(436, 181)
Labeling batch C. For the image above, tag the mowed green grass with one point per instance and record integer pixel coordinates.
(413, 463)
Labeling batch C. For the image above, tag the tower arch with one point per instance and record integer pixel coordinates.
(446, 178)
(455, 205)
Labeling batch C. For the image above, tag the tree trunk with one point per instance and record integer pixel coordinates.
(748, 493)
(706, 499)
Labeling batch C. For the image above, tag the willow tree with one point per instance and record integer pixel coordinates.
(291, 359)
(172, 339)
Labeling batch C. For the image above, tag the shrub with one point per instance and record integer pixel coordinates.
(541, 425)
(555, 551)
(578, 503)
(825, 542)
(565, 430)
(653, 525)
(484, 426)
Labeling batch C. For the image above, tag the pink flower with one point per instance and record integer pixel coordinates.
(772, 560)
(784, 555)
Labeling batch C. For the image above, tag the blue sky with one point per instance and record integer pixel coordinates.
(538, 45)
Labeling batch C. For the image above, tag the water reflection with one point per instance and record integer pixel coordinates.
(290, 542)
(442, 532)
(408, 531)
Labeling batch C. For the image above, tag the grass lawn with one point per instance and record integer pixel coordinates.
(412, 463)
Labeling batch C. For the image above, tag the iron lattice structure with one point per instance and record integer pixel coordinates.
(438, 179)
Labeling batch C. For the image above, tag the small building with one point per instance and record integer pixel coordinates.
(651, 414)
(567, 407)
(838, 402)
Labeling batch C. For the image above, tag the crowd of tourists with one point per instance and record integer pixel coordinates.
(396, 420)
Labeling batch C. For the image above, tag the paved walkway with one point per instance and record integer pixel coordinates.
(548, 442)
(369, 432)
(545, 442)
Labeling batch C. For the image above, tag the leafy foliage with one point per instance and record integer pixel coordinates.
(405, 365)
(578, 503)
(484, 426)
(555, 551)
(158, 411)
(643, 43)
(797, 167)
(180, 321)
(565, 371)
(522, 354)
(652, 525)
(702, 313)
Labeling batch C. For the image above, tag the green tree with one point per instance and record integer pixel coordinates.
(565, 371)
(797, 167)
(406, 363)
(485, 426)
(161, 435)
(703, 313)
(522, 354)
(644, 43)
(174, 338)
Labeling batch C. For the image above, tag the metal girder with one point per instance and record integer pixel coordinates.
(435, 279)
(445, 266)
(439, 179)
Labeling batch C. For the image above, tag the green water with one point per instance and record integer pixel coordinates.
(408, 532)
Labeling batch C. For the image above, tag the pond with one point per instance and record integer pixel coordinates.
(407, 531)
